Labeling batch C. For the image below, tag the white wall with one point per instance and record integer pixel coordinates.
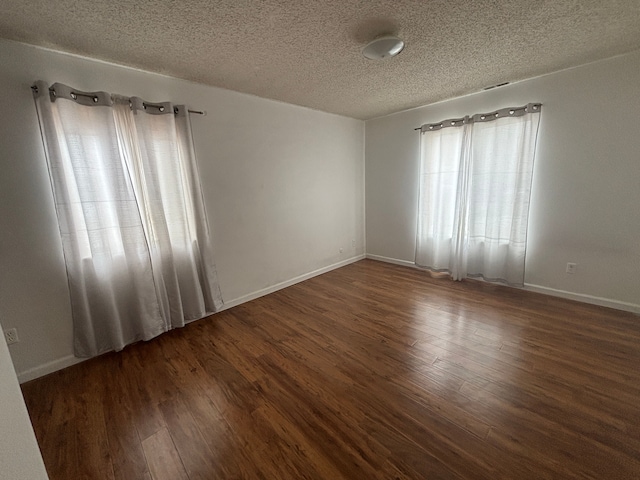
(19, 453)
(586, 190)
(283, 185)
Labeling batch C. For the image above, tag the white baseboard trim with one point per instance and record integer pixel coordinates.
(582, 297)
(59, 364)
(47, 368)
(279, 286)
(69, 360)
(395, 261)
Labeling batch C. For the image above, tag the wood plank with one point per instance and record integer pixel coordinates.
(129, 462)
(194, 451)
(231, 457)
(162, 457)
(93, 455)
(368, 371)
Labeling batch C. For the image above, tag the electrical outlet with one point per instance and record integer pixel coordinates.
(11, 336)
(353, 243)
(571, 268)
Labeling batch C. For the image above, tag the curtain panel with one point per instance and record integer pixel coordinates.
(475, 187)
(132, 221)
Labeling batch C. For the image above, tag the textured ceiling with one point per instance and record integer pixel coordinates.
(307, 52)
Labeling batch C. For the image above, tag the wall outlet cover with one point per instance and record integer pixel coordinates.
(11, 336)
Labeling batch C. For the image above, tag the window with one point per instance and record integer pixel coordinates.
(132, 221)
(475, 185)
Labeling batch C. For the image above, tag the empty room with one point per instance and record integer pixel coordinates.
(319, 239)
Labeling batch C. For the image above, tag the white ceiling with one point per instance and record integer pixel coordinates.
(307, 52)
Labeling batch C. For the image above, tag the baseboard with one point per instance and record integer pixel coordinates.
(67, 361)
(581, 297)
(395, 261)
(47, 368)
(288, 283)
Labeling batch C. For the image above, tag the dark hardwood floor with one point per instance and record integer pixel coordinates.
(372, 371)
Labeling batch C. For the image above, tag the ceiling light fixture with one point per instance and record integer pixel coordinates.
(383, 47)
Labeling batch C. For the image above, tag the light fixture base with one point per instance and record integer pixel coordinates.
(383, 47)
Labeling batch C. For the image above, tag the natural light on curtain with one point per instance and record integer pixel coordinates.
(134, 230)
(475, 185)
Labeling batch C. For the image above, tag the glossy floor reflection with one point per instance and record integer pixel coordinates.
(370, 371)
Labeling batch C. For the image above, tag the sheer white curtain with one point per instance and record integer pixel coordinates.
(475, 185)
(129, 203)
